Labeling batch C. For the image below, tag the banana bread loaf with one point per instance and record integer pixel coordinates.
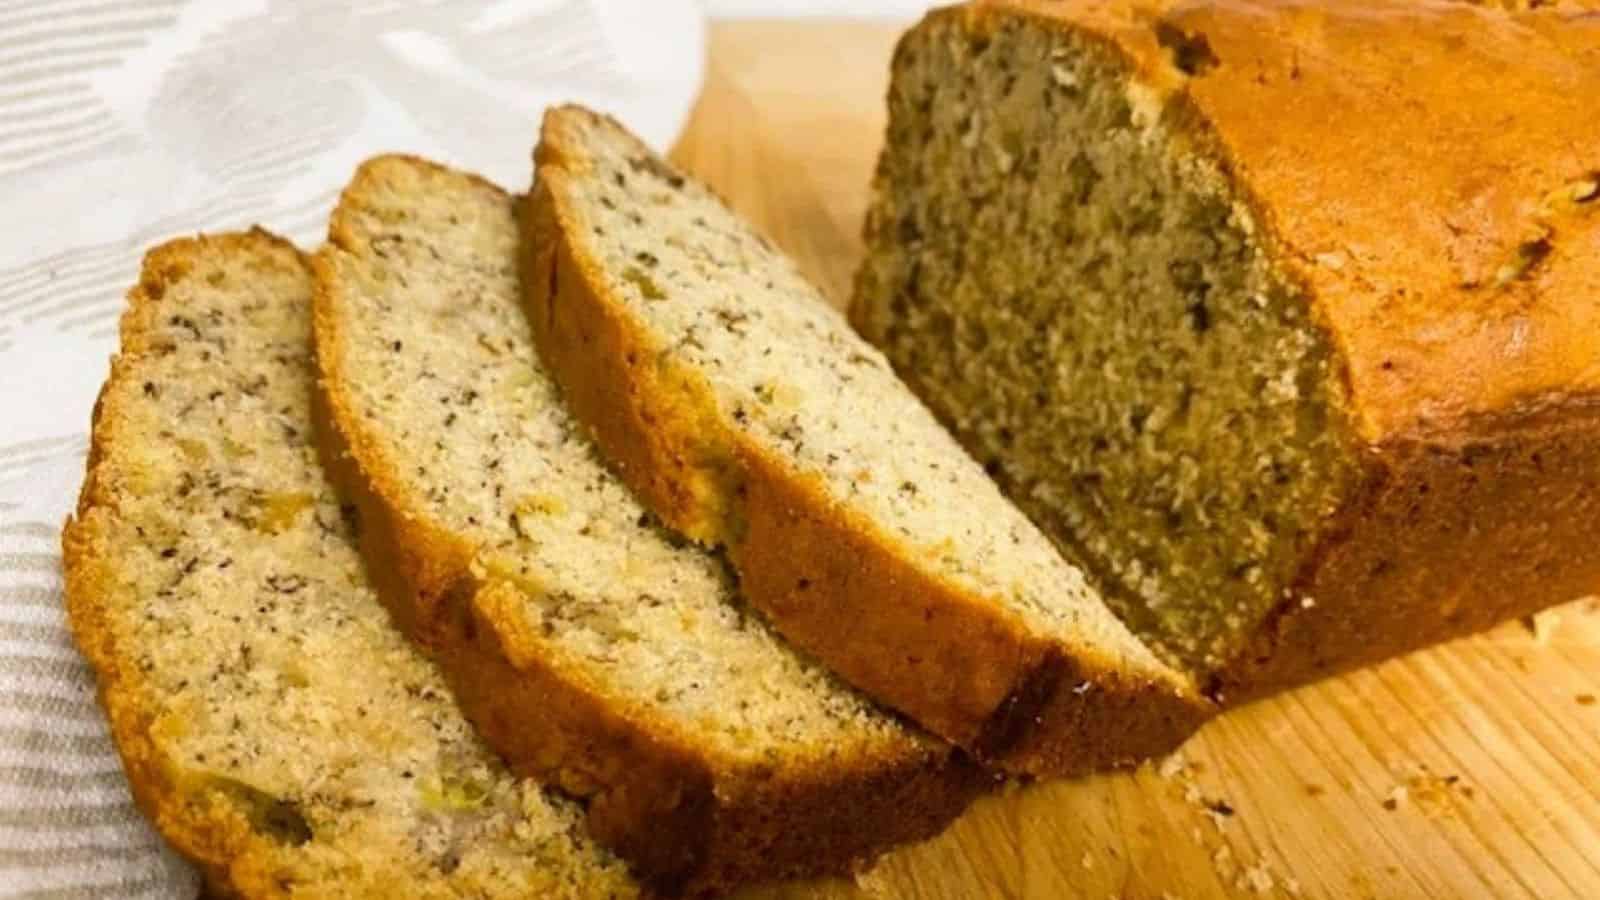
(746, 413)
(273, 724)
(1282, 318)
(588, 646)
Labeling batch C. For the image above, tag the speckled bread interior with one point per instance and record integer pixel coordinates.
(747, 414)
(273, 725)
(1299, 390)
(592, 648)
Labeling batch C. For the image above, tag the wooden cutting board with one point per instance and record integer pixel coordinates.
(1468, 770)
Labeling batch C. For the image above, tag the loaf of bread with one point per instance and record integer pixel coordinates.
(747, 414)
(273, 725)
(1282, 319)
(589, 647)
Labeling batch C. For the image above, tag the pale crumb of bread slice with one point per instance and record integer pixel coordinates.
(273, 724)
(591, 647)
(748, 414)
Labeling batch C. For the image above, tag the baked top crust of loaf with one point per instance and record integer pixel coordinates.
(273, 725)
(746, 413)
(590, 647)
(1420, 201)
(1428, 172)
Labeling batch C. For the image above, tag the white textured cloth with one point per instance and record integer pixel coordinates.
(874, 9)
(124, 124)
(67, 825)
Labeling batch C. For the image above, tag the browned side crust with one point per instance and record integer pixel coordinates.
(969, 672)
(214, 835)
(689, 823)
(1452, 534)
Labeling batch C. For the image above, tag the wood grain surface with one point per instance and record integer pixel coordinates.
(1468, 770)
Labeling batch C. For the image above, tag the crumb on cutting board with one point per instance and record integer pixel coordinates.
(1254, 876)
(1429, 792)
(1542, 625)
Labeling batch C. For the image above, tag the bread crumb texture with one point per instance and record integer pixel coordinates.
(482, 437)
(1164, 412)
(273, 724)
(1223, 359)
(787, 373)
(774, 766)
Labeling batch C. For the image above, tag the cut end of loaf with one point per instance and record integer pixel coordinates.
(1059, 266)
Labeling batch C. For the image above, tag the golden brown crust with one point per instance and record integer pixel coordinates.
(216, 837)
(690, 822)
(960, 666)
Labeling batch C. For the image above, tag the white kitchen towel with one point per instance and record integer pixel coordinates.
(67, 825)
(123, 124)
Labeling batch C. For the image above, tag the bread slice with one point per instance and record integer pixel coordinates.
(273, 725)
(590, 647)
(1320, 386)
(747, 414)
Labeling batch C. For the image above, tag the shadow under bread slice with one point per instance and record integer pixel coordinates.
(748, 414)
(590, 647)
(274, 726)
